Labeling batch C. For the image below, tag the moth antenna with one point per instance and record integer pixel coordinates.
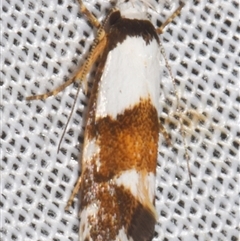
(73, 107)
(178, 110)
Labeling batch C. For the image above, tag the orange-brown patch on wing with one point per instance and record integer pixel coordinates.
(128, 142)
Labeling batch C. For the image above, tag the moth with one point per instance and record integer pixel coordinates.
(118, 164)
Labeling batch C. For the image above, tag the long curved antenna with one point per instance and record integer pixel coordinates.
(178, 110)
(65, 128)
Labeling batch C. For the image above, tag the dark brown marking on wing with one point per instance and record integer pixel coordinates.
(139, 220)
(118, 28)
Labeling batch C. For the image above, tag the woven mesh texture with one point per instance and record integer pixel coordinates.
(44, 42)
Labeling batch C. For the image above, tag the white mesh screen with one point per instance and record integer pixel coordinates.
(42, 43)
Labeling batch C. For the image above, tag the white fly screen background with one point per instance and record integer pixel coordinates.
(43, 43)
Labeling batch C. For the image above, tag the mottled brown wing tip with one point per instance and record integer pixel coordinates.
(142, 224)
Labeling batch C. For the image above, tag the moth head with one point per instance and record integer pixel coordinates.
(135, 9)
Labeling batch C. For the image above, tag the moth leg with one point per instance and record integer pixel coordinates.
(164, 132)
(170, 19)
(74, 193)
(96, 50)
(91, 18)
(50, 93)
